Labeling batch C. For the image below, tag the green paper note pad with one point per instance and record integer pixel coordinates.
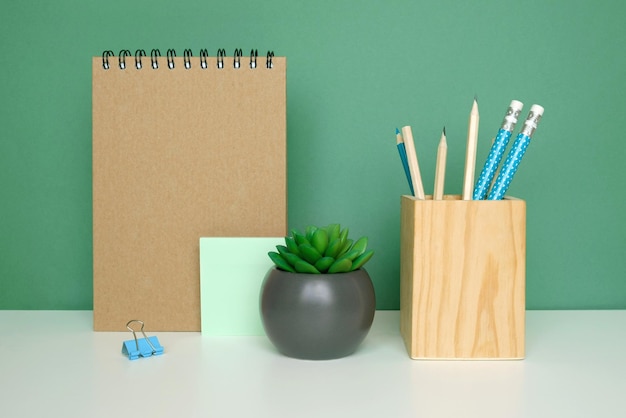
(231, 273)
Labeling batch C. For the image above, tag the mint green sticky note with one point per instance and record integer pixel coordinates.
(231, 273)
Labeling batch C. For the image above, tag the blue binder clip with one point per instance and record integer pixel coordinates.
(142, 347)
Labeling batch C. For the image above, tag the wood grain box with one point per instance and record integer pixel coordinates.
(462, 278)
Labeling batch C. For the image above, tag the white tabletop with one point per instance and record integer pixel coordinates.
(53, 364)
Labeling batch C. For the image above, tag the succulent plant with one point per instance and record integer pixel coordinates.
(321, 250)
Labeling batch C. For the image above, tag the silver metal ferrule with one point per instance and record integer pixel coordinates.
(531, 123)
(510, 119)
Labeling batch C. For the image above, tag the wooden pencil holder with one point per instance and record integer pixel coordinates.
(462, 278)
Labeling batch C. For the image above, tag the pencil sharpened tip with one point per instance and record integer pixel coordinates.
(397, 131)
(444, 130)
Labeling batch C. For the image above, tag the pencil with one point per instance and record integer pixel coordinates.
(470, 152)
(440, 169)
(498, 146)
(405, 164)
(509, 168)
(495, 174)
(414, 168)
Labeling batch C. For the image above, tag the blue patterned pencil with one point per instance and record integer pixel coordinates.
(497, 150)
(514, 158)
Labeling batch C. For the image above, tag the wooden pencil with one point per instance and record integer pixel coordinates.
(405, 163)
(440, 169)
(470, 152)
(414, 168)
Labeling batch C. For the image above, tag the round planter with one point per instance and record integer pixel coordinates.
(317, 316)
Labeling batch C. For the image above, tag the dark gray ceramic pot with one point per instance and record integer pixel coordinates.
(317, 316)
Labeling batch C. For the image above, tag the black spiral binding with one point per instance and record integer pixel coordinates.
(187, 58)
(269, 62)
(155, 54)
(122, 59)
(138, 54)
(105, 59)
(253, 56)
(154, 58)
(203, 56)
(170, 58)
(237, 58)
(221, 53)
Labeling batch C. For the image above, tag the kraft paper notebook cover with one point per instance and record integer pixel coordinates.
(183, 148)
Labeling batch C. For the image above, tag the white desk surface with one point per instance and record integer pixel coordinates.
(53, 364)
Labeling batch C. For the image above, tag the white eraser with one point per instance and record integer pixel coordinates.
(516, 105)
(536, 109)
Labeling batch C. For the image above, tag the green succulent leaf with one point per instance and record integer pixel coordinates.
(309, 231)
(362, 259)
(346, 246)
(320, 240)
(333, 231)
(280, 262)
(282, 249)
(300, 239)
(360, 245)
(351, 255)
(324, 263)
(333, 248)
(344, 235)
(291, 258)
(309, 253)
(343, 265)
(304, 267)
(291, 245)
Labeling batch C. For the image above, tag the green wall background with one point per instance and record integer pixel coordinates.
(356, 71)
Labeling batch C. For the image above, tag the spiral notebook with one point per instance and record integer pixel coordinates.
(183, 147)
